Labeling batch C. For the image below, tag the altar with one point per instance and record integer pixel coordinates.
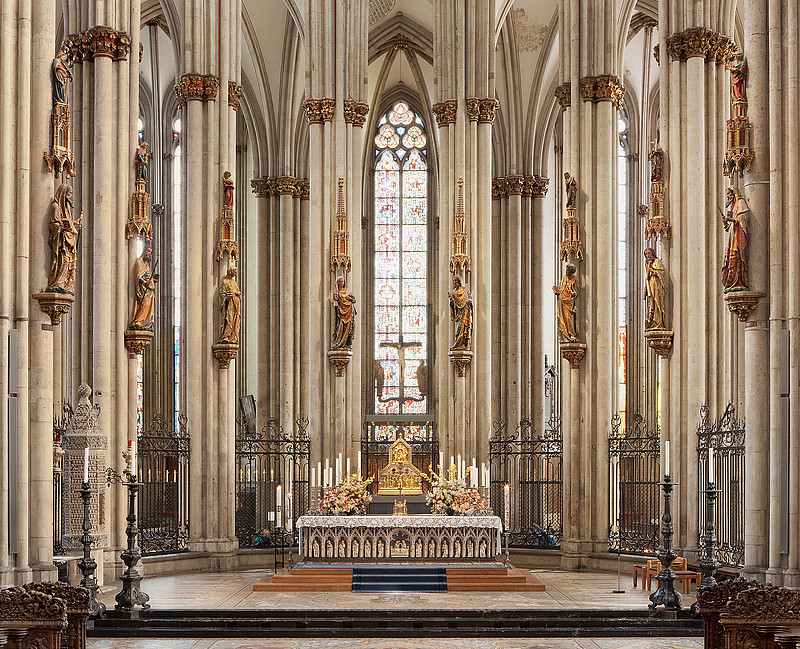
(400, 537)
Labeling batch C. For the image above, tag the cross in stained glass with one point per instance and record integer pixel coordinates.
(401, 354)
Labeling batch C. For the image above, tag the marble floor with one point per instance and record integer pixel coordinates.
(233, 590)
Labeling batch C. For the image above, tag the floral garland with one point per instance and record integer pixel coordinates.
(350, 497)
(452, 496)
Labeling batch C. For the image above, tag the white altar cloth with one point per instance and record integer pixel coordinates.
(350, 529)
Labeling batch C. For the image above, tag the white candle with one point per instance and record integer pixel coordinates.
(483, 474)
(506, 498)
(278, 501)
(711, 464)
(312, 476)
(460, 472)
(289, 512)
(358, 468)
(441, 462)
(330, 477)
(348, 466)
(86, 464)
(339, 469)
(452, 461)
(319, 473)
(666, 467)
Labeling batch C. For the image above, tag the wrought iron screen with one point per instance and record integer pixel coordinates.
(266, 460)
(61, 424)
(163, 468)
(380, 435)
(634, 456)
(530, 463)
(726, 436)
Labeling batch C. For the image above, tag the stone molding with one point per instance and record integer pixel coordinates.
(445, 112)
(98, 42)
(606, 87)
(563, 95)
(196, 87)
(355, 112)
(235, 92)
(488, 110)
(319, 110)
(701, 42)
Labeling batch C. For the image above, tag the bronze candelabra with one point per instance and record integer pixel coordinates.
(666, 595)
(87, 565)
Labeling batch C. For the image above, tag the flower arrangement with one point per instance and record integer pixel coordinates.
(452, 496)
(350, 497)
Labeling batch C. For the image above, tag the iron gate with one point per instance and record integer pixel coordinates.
(163, 470)
(266, 462)
(634, 455)
(726, 436)
(530, 463)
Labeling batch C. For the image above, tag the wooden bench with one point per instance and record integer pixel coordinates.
(32, 619)
(79, 605)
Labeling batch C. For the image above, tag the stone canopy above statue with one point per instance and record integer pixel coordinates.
(400, 476)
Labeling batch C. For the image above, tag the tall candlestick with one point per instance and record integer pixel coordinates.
(666, 460)
(278, 502)
(134, 470)
(711, 464)
(86, 464)
(506, 499)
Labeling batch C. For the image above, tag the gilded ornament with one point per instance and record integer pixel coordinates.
(473, 108)
(262, 187)
(445, 112)
(355, 112)
(340, 251)
(460, 359)
(196, 87)
(515, 184)
(227, 244)
(224, 352)
(735, 220)
(344, 316)
(539, 189)
(144, 286)
(743, 303)
(499, 188)
(701, 42)
(55, 305)
(655, 291)
(231, 307)
(573, 353)
(235, 92)
(460, 261)
(563, 94)
(319, 110)
(461, 313)
(660, 340)
(606, 87)
(488, 110)
(400, 475)
(137, 340)
(63, 242)
(566, 308)
(99, 42)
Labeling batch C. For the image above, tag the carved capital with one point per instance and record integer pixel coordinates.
(460, 359)
(606, 87)
(96, 42)
(319, 110)
(659, 340)
(445, 112)
(225, 352)
(286, 185)
(303, 189)
(499, 188)
(262, 187)
(137, 340)
(539, 187)
(573, 353)
(235, 92)
(743, 303)
(355, 112)
(340, 358)
(473, 108)
(196, 87)
(702, 42)
(515, 183)
(564, 95)
(55, 304)
(488, 110)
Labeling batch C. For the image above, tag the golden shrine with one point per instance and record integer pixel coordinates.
(400, 476)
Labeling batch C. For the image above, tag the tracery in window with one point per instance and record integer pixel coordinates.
(401, 262)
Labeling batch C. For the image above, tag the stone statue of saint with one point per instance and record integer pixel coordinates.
(571, 188)
(141, 161)
(144, 284)
(63, 241)
(735, 220)
(656, 157)
(61, 74)
(227, 188)
(461, 314)
(344, 312)
(654, 291)
(739, 81)
(422, 378)
(380, 379)
(567, 293)
(231, 307)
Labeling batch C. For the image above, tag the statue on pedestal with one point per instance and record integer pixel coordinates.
(567, 293)
(654, 291)
(461, 314)
(735, 221)
(63, 241)
(739, 81)
(141, 160)
(61, 74)
(144, 283)
(231, 307)
(571, 189)
(344, 311)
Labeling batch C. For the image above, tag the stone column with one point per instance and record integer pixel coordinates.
(538, 292)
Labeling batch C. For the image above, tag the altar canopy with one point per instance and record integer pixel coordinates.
(400, 537)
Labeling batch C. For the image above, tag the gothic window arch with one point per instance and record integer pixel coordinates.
(400, 272)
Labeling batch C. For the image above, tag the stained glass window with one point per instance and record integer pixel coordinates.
(401, 261)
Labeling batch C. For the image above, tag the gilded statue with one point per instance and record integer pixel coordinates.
(739, 81)
(380, 379)
(735, 220)
(63, 241)
(654, 291)
(566, 295)
(141, 160)
(571, 188)
(61, 75)
(227, 189)
(231, 307)
(344, 313)
(656, 157)
(422, 378)
(144, 284)
(461, 314)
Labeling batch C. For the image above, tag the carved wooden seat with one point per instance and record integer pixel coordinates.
(78, 603)
(32, 619)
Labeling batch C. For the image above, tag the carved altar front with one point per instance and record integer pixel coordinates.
(400, 537)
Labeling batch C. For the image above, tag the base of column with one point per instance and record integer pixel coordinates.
(743, 303)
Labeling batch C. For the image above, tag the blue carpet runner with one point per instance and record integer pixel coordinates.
(399, 579)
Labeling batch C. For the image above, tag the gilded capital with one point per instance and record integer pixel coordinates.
(196, 87)
(355, 112)
(99, 41)
(702, 42)
(499, 189)
(539, 188)
(319, 110)
(235, 92)
(488, 109)
(473, 108)
(564, 95)
(515, 183)
(286, 185)
(606, 87)
(262, 187)
(303, 189)
(445, 112)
